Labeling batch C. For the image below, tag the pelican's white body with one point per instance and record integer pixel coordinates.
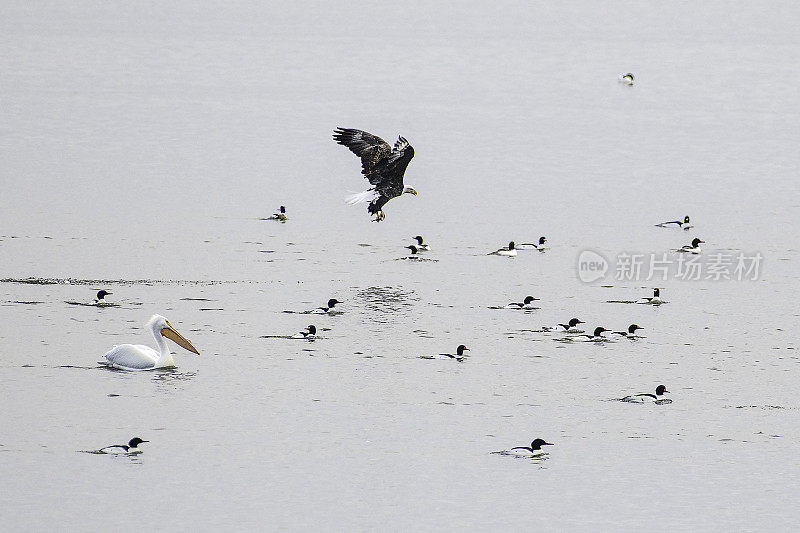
(139, 356)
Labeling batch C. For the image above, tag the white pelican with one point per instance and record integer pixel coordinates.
(140, 357)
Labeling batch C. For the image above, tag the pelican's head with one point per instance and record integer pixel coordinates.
(410, 190)
(136, 441)
(161, 325)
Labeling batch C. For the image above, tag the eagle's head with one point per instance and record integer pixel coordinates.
(410, 190)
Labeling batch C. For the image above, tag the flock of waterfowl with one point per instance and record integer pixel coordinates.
(384, 167)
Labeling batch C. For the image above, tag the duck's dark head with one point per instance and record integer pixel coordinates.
(311, 329)
(332, 302)
(696, 242)
(633, 327)
(418, 238)
(656, 292)
(102, 294)
(136, 441)
(661, 389)
(538, 443)
(283, 209)
(599, 330)
(575, 321)
(686, 219)
(412, 248)
(542, 240)
(511, 245)
(460, 349)
(529, 299)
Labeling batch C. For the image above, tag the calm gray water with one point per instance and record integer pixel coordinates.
(140, 144)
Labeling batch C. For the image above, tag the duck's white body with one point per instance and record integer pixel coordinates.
(507, 251)
(523, 306)
(646, 398)
(115, 448)
(527, 452)
(693, 248)
(640, 398)
(654, 300)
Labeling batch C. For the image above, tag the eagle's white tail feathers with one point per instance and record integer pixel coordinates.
(365, 196)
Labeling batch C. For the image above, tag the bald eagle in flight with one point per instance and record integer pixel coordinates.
(381, 164)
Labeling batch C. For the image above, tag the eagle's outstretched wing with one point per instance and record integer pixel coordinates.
(370, 148)
(395, 164)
